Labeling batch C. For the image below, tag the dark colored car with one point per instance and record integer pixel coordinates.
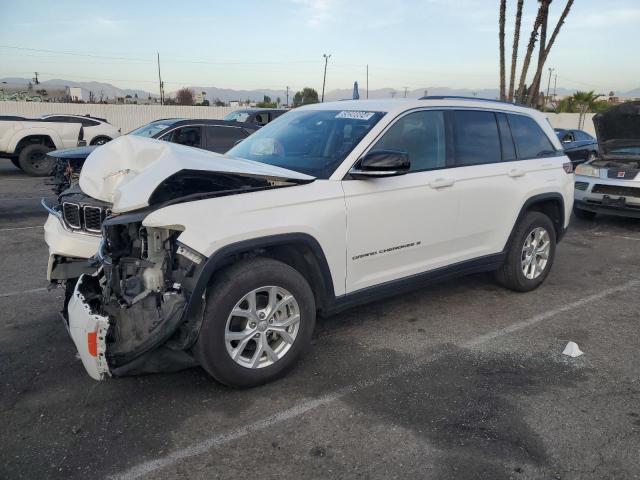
(213, 135)
(255, 116)
(578, 145)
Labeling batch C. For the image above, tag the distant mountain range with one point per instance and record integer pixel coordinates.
(227, 94)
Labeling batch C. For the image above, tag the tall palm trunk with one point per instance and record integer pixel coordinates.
(534, 90)
(503, 11)
(514, 52)
(556, 30)
(527, 58)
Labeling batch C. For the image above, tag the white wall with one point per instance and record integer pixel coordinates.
(125, 117)
(128, 117)
(570, 120)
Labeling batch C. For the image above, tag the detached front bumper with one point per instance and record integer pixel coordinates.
(89, 332)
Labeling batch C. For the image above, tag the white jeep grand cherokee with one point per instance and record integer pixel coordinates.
(224, 261)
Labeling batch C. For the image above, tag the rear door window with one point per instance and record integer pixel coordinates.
(190, 136)
(531, 141)
(220, 139)
(475, 137)
(421, 135)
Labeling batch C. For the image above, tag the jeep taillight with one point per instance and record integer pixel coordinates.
(568, 167)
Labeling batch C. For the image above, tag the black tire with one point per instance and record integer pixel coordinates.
(100, 140)
(583, 214)
(510, 275)
(230, 286)
(15, 162)
(34, 161)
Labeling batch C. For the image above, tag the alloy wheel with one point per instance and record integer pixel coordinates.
(535, 253)
(262, 327)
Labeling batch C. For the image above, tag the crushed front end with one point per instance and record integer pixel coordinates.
(130, 316)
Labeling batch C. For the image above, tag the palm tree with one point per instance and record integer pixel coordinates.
(501, 21)
(547, 49)
(535, 87)
(514, 52)
(522, 93)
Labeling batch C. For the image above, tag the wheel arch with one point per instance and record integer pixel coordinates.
(100, 137)
(298, 250)
(33, 139)
(551, 204)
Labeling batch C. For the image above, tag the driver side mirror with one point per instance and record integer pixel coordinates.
(381, 163)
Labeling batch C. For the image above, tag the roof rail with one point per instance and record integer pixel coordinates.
(457, 97)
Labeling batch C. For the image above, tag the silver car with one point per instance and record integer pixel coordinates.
(610, 184)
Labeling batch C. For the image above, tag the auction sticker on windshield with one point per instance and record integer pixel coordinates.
(355, 115)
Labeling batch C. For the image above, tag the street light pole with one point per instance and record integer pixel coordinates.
(549, 81)
(287, 95)
(324, 81)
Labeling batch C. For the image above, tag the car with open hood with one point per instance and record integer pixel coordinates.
(610, 184)
(224, 261)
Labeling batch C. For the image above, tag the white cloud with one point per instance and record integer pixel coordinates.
(317, 12)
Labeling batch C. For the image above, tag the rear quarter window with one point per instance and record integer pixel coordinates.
(530, 140)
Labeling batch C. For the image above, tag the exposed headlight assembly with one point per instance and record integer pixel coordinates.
(587, 171)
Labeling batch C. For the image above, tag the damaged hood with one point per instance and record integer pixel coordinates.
(128, 170)
(618, 127)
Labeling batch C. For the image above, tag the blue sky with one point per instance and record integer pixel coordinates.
(273, 43)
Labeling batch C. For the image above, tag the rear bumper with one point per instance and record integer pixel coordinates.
(88, 331)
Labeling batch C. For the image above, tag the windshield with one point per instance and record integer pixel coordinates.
(314, 142)
(237, 116)
(151, 129)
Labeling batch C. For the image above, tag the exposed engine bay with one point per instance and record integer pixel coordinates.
(142, 288)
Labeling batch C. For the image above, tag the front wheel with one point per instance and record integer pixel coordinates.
(33, 160)
(530, 255)
(259, 317)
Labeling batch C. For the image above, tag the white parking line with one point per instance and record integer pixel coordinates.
(22, 292)
(199, 448)
(608, 235)
(19, 228)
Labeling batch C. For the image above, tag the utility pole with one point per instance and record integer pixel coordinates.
(549, 82)
(555, 81)
(405, 91)
(367, 80)
(326, 60)
(287, 95)
(160, 82)
(35, 79)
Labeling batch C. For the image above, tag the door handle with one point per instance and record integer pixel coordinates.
(442, 182)
(516, 172)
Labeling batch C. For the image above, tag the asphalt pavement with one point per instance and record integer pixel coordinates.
(462, 380)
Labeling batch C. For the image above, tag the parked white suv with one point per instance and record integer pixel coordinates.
(225, 262)
(97, 131)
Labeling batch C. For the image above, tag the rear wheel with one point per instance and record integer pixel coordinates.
(530, 255)
(33, 160)
(259, 317)
(583, 214)
(100, 140)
